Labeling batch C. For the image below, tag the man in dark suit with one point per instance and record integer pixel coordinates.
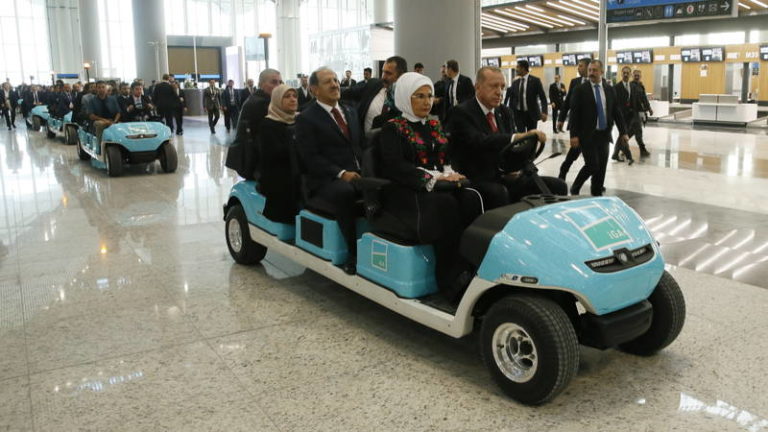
(376, 100)
(573, 152)
(526, 98)
(480, 128)
(594, 110)
(243, 154)
(635, 125)
(329, 141)
(556, 94)
(165, 99)
(138, 105)
(212, 104)
(305, 95)
(347, 81)
(437, 103)
(230, 104)
(627, 98)
(247, 91)
(458, 88)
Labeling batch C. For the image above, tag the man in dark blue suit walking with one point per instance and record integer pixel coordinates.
(526, 98)
(329, 140)
(594, 110)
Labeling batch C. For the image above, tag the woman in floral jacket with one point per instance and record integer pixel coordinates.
(412, 154)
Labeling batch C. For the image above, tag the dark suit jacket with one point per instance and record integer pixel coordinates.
(473, 146)
(464, 91)
(363, 96)
(245, 93)
(225, 98)
(567, 102)
(556, 93)
(164, 96)
(347, 83)
(244, 154)
(534, 95)
(323, 149)
(135, 114)
(584, 112)
(635, 102)
(304, 100)
(212, 98)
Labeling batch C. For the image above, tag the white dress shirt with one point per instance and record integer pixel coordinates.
(374, 109)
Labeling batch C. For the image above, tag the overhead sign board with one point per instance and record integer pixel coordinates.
(626, 11)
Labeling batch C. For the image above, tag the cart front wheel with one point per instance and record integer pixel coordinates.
(530, 347)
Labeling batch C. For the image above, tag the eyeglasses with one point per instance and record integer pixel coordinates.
(422, 96)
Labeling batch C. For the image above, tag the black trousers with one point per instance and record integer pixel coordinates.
(621, 147)
(595, 152)
(570, 158)
(167, 116)
(213, 118)
(230, 117)
(178, 115)
(635, 126)
(339, 198)
(7, 114)
(555, 112)
(439, 219)
(524, 122)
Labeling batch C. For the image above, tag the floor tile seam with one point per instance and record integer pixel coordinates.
(253, 329)
(113, 357)
(244, 386)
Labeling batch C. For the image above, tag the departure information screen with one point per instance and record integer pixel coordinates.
(625, 11)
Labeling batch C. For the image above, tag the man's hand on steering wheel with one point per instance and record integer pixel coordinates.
(454, 177)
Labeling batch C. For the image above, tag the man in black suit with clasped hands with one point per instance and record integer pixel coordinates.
(594, 110)
(526, 98)
(329, 140)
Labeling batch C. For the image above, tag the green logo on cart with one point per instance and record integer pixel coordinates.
(598, 226)
(606, 233)
(379, 255)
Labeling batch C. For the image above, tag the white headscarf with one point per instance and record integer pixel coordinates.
(406, 86)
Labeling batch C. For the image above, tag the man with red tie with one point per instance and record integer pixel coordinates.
(480, 128)
(329, 140)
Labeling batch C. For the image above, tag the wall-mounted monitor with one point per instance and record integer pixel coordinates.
(569, 59)
(624, 57)
(491, 61)
(713, 54)
(67, 76)
(764, 52)
(583, 55)
(535, 61)
(642, 56)
(210, 77)
(690, 55)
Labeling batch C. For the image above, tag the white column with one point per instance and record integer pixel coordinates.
(64, 34)
(381, 9)
(150, 40)
(90, 36)
(450, 28)
(602, 34)
(288, 43)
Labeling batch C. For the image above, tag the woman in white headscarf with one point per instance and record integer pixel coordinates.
(279, 181)
(427, 196)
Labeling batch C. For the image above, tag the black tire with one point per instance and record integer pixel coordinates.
(114, 161)
(70, 135)
(36, 123)
(168, 159)
(668, 319)
(530, 347)
(241, 247)
(80, 152)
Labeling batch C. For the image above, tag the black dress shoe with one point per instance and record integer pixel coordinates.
(350, 267)
(631, 161)
(617, 159)
(644, 153)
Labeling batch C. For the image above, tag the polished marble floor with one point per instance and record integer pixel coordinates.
(121, 310)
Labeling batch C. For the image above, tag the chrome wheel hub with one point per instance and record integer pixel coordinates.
(515, 353)
(235, 235)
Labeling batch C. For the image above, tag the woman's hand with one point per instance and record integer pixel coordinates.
(453, 177)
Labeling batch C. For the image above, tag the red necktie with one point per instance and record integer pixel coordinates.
(492, 122)
(340, 121)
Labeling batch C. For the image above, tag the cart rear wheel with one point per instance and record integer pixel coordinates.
(241, 247)
(36, 123)
(668, 319)
(530, 347)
